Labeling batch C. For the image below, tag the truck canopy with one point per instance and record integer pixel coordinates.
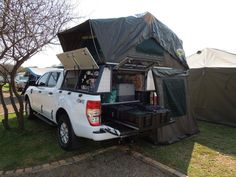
(116, 39)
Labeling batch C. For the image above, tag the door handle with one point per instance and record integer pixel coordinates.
(50, 93)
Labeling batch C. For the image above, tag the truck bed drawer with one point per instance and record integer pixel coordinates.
(120, 129)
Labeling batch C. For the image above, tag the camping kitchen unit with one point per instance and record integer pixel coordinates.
(137, 66)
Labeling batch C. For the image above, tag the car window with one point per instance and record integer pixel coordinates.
(23, 78)
(43, 80)
(87, 80)
(53, 79)
(70, 80)
(83, 80)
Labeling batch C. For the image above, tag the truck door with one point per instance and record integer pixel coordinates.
(49, 95)
(38, 92)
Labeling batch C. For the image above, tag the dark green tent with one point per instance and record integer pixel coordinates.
(212, 86)
(173, 89)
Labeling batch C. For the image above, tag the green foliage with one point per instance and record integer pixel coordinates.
(6, 88)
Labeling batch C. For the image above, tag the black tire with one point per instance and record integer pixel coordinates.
(28, 110)
(65, 134)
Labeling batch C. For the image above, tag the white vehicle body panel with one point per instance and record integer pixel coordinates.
(46, 101)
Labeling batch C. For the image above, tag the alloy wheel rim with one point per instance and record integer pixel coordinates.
(64, 133)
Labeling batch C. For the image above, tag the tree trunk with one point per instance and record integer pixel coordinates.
(19, 111)
(19, 115)
(5, 110)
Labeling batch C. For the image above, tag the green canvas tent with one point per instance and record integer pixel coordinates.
(212, 81)
(172, 87)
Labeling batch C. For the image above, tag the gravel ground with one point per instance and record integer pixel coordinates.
(109, 164)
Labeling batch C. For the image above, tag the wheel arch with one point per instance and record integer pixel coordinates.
(72, 143)
(59, 112)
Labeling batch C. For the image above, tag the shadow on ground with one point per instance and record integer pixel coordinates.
(211, 151)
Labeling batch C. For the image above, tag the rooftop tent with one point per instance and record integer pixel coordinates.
(212, 80)
(113, 40)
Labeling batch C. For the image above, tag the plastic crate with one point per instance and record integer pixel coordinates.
(137, 118)
(114, 112)
(162, 117)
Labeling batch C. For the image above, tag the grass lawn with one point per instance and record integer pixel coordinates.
(36, 145)
(211, 153)
(6, 88)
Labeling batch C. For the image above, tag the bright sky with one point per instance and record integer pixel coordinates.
(199, 24)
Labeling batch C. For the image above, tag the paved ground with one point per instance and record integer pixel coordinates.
(115, 163)
(8, 103)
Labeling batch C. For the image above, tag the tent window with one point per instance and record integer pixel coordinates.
(151, 47)
(70, 80)
(175, 96)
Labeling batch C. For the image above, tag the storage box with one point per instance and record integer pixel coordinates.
(162, 117)
(125, 92)
(115, 112)
(137, 118)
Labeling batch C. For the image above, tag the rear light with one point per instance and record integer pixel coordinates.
(93, 112)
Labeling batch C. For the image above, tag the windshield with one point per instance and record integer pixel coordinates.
(22, 78)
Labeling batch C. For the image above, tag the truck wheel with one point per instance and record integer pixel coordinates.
(28, 110)
(66, 136)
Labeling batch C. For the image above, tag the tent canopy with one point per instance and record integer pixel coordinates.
(212, 58)
(112, 40)
(212, 85)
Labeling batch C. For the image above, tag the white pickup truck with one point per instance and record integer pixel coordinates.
(94, 101)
